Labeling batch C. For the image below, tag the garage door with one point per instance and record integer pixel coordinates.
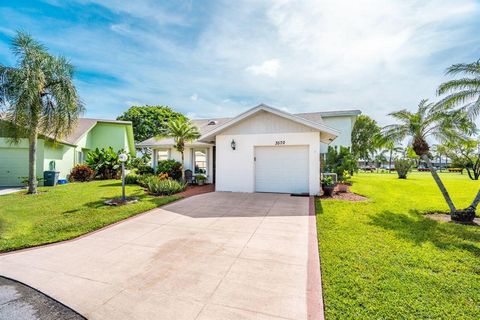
(13, 164)
(281, 169)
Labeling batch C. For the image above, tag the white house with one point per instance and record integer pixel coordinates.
(262, 150)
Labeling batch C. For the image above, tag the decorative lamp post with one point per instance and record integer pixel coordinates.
(123, 158)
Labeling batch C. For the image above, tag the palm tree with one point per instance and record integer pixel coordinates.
(182, 131)
(38, 96)
(430, 121)
(464, 91)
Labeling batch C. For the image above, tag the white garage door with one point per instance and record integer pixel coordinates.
(13, 164)
(281, 169)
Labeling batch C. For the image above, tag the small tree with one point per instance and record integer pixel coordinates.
(39, 97)
(464, 153)
(340, 160)
(365, 137)
(182, 131)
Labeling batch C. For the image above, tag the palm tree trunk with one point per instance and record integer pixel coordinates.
(440, 184)
(475, 202)
(390, 162)
(32, 163)
(183, 167)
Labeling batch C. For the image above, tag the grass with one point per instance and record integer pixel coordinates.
(382, 259)
(66, 211)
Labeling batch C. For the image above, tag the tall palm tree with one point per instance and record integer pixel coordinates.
(182, 131)
(464, 91)
(38, 96)
(430, 121)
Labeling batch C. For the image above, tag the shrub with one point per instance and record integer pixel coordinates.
(82, 173)
(200, 177)
(140, 165)
(340, 161)
(105, 162)
(131, 178)
(142, 180)
(346, 178)
(403, 167)
(171, 167)
(157, 186)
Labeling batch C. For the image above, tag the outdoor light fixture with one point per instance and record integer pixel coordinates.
(123, 158)
(233, 144)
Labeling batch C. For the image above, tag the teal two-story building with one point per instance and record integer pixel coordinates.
(64, 153)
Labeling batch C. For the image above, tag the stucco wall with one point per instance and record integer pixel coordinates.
(235, 168)
(344, 125)
(63, 155)
(107, 134)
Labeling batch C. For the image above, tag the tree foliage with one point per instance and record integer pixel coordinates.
(149, 121)
(105, 162)
(38, 96)
(365, 137)
(463, 92)
(464, 154)
(182, 131)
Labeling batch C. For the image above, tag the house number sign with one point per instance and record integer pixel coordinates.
(279, 143)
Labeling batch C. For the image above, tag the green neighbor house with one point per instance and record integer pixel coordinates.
(66, 152)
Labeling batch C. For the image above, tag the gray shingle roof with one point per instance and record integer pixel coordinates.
(204, 127)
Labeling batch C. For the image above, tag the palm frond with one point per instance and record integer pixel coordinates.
(464, 68)
(458, 98)
(459, 85)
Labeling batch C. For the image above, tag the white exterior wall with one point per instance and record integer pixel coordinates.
(344, 125)
(235, 168)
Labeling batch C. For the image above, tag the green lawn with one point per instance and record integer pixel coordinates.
(66, 211)
(381, 259)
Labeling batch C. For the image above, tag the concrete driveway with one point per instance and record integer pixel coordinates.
(212, 256)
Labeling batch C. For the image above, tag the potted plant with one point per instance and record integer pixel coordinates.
(200, 178)
(328, 186)
(344, 182)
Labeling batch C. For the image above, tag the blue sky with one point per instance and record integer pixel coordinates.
(219, 58)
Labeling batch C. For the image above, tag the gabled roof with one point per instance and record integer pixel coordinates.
(84, 125)
(329, 133)
(204, 126)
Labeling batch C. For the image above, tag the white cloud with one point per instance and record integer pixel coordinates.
(374, 55)
(266, 68)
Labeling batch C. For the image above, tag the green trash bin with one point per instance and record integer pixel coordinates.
(50, 178)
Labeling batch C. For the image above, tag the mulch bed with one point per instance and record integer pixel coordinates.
(193, 190)
(346, 196)
(446, 218)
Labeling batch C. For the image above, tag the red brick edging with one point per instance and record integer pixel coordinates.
(315, 306)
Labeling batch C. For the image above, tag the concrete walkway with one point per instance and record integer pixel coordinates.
(211, 256)
(5, 191)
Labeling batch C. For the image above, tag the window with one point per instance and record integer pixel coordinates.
(200, 161)
(80, 157)
(162, 155)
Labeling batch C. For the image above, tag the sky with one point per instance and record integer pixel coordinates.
(219, 58)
